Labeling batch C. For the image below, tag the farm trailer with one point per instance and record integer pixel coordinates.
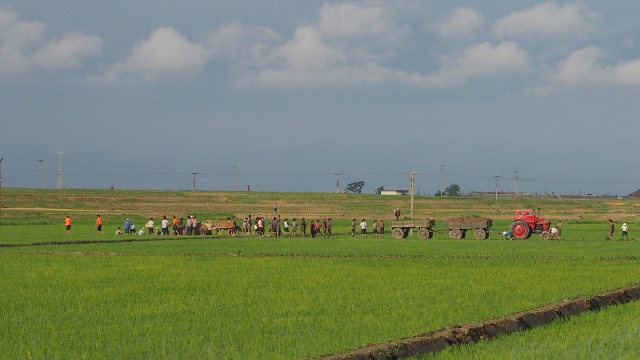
(400, 228)
(209, 227)
(458, 227)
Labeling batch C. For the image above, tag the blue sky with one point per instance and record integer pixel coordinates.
(141, 94)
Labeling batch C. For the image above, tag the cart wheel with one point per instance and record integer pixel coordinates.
(455, 234)
(545, 235)
(480, 234)
(397, 233)
(423, 234)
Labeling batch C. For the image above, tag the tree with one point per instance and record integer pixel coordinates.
(452, 190)
(379, 190)
(355, 187)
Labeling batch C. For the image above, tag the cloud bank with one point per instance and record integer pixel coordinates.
(23, 46)
(346, 44)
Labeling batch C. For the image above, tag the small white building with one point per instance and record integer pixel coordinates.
(394, 192)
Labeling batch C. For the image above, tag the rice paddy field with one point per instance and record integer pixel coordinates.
(87, 295)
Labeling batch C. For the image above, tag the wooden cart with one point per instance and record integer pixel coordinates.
(400, 228)
(208, 228)
(458, 227)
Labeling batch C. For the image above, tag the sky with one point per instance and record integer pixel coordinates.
(142, 94)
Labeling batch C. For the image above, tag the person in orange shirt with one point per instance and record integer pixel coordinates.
(99, 224)
(175, 225)
(68, 223)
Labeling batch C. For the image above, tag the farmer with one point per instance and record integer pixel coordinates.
(67, 223)
(611, 229)
(176, 225)
(558, 229)
(363, 228)
(127, 226)
(624, 230)
(150, 226)
(99, 223)
(189, 224)
(294, 227)
(165, 225)
(353, 227)
(508, 234)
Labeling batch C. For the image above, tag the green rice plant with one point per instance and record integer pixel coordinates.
(612, 333)
(69, 306)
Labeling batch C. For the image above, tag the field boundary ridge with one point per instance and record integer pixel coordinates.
(474, 332)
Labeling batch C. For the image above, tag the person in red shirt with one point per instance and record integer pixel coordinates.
(67, 223)
(99, 224)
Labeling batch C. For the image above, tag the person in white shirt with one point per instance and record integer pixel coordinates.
(624, 230)
(165, 225)
(363, 228)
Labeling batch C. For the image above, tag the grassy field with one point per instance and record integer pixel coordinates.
(612, 333)
(106, 296)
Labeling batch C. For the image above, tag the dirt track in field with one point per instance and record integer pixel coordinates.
(474, 332)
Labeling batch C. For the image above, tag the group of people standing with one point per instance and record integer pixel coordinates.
(275, 226)
(378, 228)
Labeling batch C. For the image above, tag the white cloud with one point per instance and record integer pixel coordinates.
(308, 51)
(16, 37)
(22, 47)
(166, 52)
(461, 23)
(479, 60)
(344, 47)
(67, 52)
(548, 19)
(585, 66)
(358, 19)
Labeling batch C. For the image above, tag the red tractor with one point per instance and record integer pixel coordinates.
(525, 223)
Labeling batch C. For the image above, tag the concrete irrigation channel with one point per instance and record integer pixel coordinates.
(474, 332)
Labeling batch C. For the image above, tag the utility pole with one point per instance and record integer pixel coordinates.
(497, 177)
(337, 182)
(60, 153)
(1, 158)
(234, 177)
(441, 179)
(194, 181)
(412, 176)
(516, 184)
(42, 171)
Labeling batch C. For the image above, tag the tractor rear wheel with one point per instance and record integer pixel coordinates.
(480, 234)
(520, 230)
(455, 234)
(545, 235)
(397, 233)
